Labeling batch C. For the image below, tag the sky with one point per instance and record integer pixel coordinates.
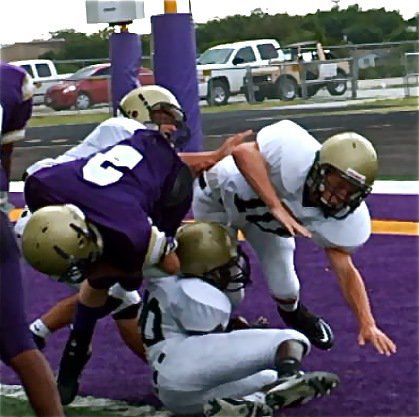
(26, 20)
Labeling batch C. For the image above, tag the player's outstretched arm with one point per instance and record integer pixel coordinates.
(253, 167)
(202, 161)
(353, 289)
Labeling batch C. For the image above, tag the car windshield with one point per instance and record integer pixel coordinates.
(83, 73)
(215, 56)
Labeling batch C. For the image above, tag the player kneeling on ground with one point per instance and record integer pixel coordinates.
(197, 365)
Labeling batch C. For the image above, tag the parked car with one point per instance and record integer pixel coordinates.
(44, 74)
(88, 86)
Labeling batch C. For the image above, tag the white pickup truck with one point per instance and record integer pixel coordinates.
(43, 73)
(221, 69)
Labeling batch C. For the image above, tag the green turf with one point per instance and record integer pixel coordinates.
(57, 119)
(12, 407)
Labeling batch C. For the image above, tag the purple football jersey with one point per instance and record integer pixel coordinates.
(15, 337)
(118, 189)
(4, 183)
(16, 111)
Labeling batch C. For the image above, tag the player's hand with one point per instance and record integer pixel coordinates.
(378, 339)
(289, 222)
(170, 264)
(230, 143)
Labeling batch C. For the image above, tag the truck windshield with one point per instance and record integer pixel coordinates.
(215, 56)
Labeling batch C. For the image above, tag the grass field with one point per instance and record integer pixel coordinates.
(13, 403)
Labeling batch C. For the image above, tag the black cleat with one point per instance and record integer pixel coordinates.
(300, 388)
(315, 328)
(75, 356)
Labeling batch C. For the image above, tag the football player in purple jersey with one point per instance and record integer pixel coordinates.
(17, 348)
(16, 90)
(128, 200)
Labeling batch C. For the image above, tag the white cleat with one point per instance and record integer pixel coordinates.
(300, 389)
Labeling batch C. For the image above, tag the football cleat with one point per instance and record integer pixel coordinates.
(229, 407)
(300, 388)
(72, 363)
(317, 330)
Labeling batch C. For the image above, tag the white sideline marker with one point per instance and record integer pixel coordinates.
(380, 187)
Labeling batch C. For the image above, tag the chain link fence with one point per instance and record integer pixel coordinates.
(344, 71)
(350, 71)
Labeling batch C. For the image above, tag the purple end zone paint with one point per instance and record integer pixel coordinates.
(175, 68)
(125, 55)
(394, 207)
(372, 385)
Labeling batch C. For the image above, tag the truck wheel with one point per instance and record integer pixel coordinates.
(83, 101)
(286, 88)
(218, 93)
(338, 88)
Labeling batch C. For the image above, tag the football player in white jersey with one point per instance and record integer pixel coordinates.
(197, 364)
(286, 183)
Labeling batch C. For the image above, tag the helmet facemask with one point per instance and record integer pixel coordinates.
(77, 266)
(158, 109)
(208, 250)
(232, 276)
(336, 193)
(167, 114)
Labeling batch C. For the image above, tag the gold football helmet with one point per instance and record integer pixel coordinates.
(147, 104)
(58, 241)
(345, 170)
(140, 103)
(206, 250)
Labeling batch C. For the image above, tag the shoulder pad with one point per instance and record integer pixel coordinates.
(204, 308)
(349, 233)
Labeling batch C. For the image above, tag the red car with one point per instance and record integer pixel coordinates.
(86, 87)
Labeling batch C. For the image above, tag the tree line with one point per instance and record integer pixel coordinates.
(335, 27)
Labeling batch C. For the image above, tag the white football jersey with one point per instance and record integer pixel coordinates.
(106, 134)
(290, 152)
(176, 308)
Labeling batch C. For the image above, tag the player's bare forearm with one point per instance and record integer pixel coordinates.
(253, 167)
(353, 289)
(352, 286)
(202, 161)
(199, 161)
